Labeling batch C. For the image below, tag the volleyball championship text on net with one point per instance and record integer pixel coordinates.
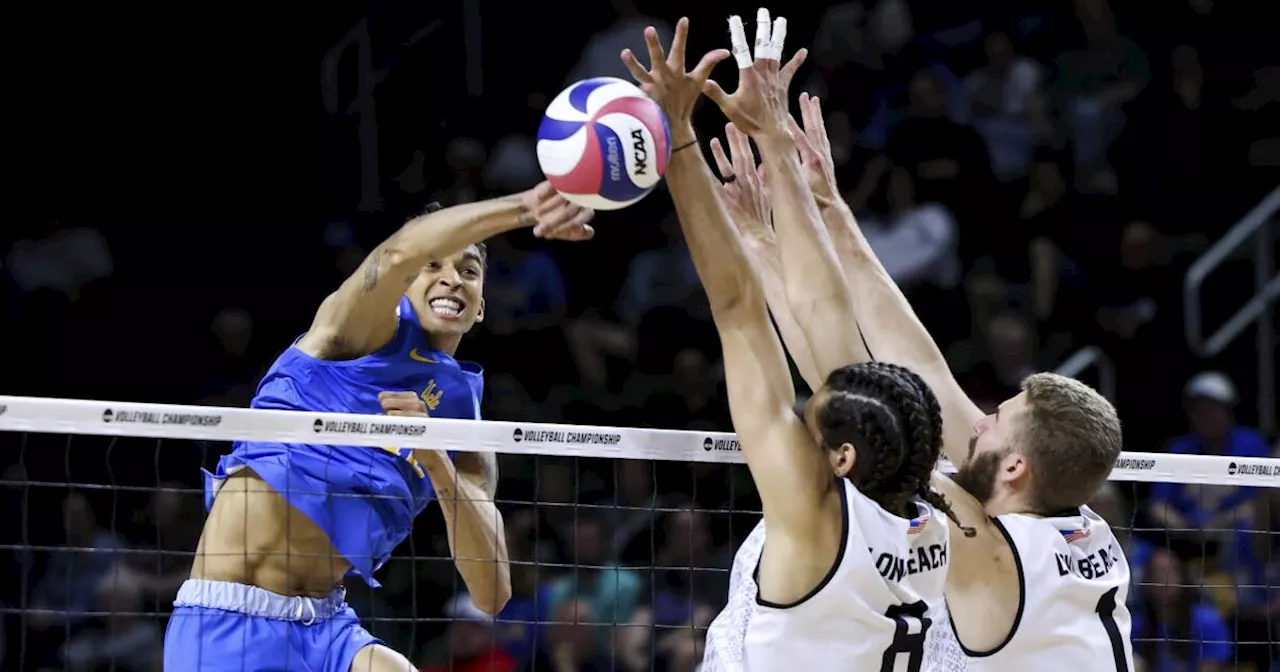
(109, 418)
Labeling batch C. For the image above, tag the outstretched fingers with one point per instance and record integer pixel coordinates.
(708, 63)
(789, 70)
(676, 59)
(803, 143)
(723, 165)
(713, 91)
(656, 56)
(814, 128)
(633, 66)
(744, 161)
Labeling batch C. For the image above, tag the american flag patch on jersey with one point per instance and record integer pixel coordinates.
(1073, 535)
(917, 525)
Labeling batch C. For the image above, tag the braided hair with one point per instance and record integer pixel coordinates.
(894, 420)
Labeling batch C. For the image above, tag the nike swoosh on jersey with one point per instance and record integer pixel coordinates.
(413, 354)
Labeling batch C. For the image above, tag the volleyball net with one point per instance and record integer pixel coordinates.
(620, 539)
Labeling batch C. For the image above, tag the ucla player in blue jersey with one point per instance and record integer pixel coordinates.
(288, 522)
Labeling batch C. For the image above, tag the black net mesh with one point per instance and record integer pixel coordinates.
(615, 564)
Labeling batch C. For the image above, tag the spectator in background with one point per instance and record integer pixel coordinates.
(1006, 107)
(1136, 293)
(610, 592)
(631, 511)
(600, 54)
(122, 640)
(1112, 506)
(530, 603)
(917, 242)
(1173, 630)
(683, 580)
(570, 645)
(523, 290)
(176, 514)
(524, 296)
(1010, 357)
(662, 278)
(75, 571)
(1092, 85)
(472, 645)
(233, 371)
(1210, 398)
(947, 161)
(690, 399)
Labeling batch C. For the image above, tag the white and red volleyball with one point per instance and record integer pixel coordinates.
(603, 143)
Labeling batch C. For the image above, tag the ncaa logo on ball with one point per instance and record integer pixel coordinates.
(603, 143)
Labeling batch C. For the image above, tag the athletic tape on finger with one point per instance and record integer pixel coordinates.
(738, 42)
(778, 38)
(763, 48)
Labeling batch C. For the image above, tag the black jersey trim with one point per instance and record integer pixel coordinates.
(844, 544)
(1022, 602)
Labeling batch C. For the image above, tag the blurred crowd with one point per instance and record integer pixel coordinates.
(1036, 182)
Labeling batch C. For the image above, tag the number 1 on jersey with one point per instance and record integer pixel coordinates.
(905, 642)
(1106, 612)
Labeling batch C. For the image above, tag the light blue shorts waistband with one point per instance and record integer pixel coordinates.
(255, 601)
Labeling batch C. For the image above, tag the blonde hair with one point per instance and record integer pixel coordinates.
(1071, 436)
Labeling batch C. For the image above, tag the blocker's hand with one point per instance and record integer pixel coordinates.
(666, 81)
(759, 105)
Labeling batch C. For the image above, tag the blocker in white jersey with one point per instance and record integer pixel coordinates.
(1074, 581)
(874, 610)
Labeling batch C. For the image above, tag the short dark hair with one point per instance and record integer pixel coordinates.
(894, 421)
(482, 251)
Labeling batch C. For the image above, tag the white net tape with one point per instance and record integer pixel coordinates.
(648, 636)
(167, 421)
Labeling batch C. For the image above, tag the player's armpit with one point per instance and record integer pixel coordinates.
(790, 471)
(972, 557)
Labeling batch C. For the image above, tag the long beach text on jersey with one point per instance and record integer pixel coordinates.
(1074, 580)
(919, 559)
(885, 586)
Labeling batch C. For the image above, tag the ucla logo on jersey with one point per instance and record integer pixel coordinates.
(432, 395)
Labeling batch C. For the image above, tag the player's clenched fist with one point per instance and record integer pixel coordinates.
(403, 404)
(554, 217)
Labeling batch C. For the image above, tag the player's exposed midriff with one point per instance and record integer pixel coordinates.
(254, 537)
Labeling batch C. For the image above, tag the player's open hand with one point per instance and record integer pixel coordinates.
(743, 188)
(554, 217)
(759, 105)
(667, 82)
(815, 151)
(402, 404)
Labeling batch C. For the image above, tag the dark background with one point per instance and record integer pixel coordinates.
(194, 146)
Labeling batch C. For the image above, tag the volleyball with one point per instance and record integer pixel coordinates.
(603, 143)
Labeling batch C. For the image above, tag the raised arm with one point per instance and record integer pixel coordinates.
(816, 291)
(791, 473)
(360, 317)
(892, 330)
(742, 190)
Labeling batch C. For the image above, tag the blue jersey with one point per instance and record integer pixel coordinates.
(364, 498)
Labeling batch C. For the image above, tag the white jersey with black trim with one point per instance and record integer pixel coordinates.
(1072, 617)
(874, 611)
